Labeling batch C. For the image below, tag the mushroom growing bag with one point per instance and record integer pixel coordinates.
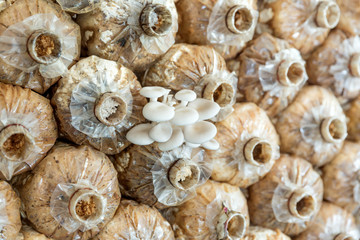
(80, 6)
(259, 233)
(76, 191)
(350, 16)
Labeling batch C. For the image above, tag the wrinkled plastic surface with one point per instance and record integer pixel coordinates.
(198, 217)
(246, 122)
(27, 233)
(13, 45)
(65, 170)
(82, 6)
(350, 16)
(10, 222)
(192, 67)
(259, 233)
(5, 3)
(23, 107)
(299, 125)
(134, 221)
(329, 65)
(269, 198)
(329, 223)
(353, 115)
(258, 79)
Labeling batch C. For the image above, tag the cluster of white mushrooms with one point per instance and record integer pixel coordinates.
(176, 120)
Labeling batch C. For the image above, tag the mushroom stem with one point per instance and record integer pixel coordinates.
(219, 91)
(156, 20)
(184, 174)
(16, 142)
(258, 151)
(110, 109)
(302, 205)
(291, 73)
(328, 14)
(239, 19)
(44, 47)
(333, 130)
(87, 206)
(355, 65)
(231, 225)
(344, 236)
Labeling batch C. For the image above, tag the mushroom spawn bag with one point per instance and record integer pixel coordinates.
(27, 129)
(313, 126)
(227, 25)
(27, 233)
(219, 211)
(271, 73)
(259, 233)
(350, 16)
(336, 65)
(161, 179)
(305, 24)
(134, 221)
(288, 197)
(133, 32)
(198, 68)
(97, 103)
(71, 194)
(353, 115)
(80, 6)
(10, 222)
(331, 223)
(249, 146)
(342, 179)
(38, 41)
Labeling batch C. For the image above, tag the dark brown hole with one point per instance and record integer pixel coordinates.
(86, 209)
(223, 94)
(236, 226)
(305, 206)
(243, 19)
(335, 129)
(262, 153)
(15, 144)
(295, 73)
(45, 46)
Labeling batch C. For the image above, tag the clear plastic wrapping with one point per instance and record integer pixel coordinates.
(199, 68)
(259, 233)
(313, 126)
(304, 24)
(288, 197)
(134, 33)
(82, 6)
(134, 221)
(76, 193)
(27, 233)
(332, 222)
(38, 45)
(10, 222)
(336, 65)
(5, 3)
(219, 211)
(342, 179)
(350, 16)
(97, 103)
(353, 116)
(249, 146)
(271, 73)
(161, 179)
(27, 129)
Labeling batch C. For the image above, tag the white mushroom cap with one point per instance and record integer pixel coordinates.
(211, 145)
(161, 132)
(192, 145)
(139, 134)
(176, 140)
(153, 92)
(185, 95)
(207, 109)
(158, 112)
(185, 116)
(200, 132)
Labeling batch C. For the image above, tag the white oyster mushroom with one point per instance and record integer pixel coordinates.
(161, 132)
(158, 112)
(153, 93)
(206, 108)
(192, 145)
(185, 96)
(211, 145)
(185, 116)
(200, 132)
(176, 140)
(139, 134)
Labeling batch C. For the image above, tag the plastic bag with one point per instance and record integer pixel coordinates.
(132, 32)
(27, 233)
(27, 129)
(266, 65)
(353, 116)
(288, 197)
(76, 193)
(219, 211)
(97, 103)
(5, 3)
(332, 222)
(249, 146)
(199, 68)
(258, 233)
(83, 6)
(134, 221)
(342, 179)
(350, 16)
(10, 222)
(161, 179)
(313, 126)
(304, 24)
